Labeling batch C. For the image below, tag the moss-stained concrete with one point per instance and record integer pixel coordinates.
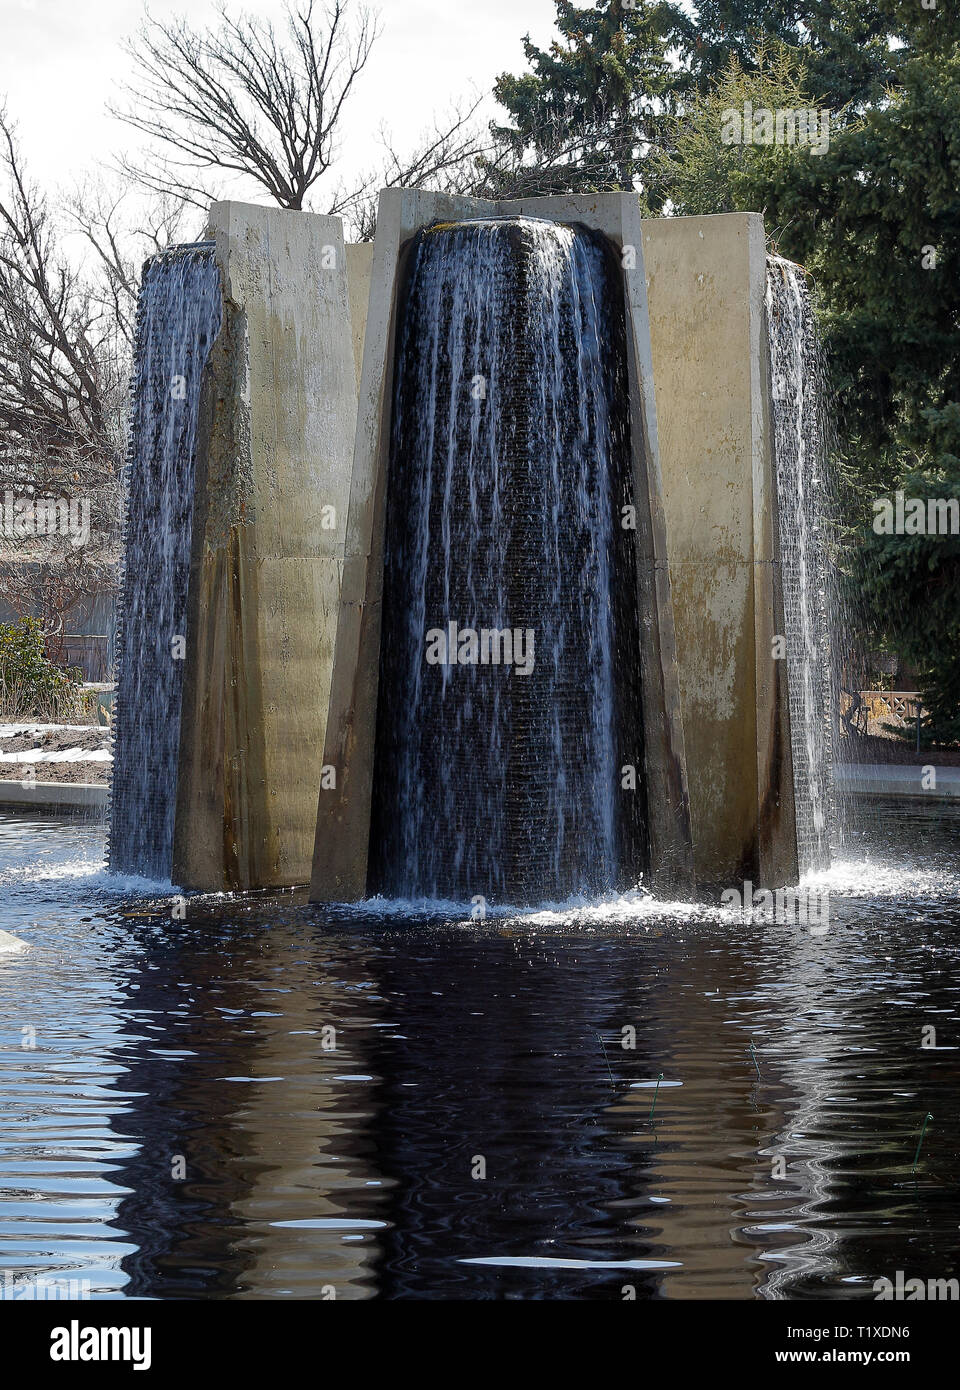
(705, 291)
(277, 433)
(359, 268)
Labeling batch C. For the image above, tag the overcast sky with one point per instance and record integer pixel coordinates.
(61, 62)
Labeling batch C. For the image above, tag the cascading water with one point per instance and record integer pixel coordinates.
(800, 464)
(179, 317)
(510, 473)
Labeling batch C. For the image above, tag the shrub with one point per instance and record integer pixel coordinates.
(31, 686)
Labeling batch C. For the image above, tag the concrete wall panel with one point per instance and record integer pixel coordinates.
(273, 489)
(706, 278)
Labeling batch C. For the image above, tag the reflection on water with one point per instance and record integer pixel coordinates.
(187, 1124)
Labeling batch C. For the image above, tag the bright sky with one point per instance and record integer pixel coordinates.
(61, 63)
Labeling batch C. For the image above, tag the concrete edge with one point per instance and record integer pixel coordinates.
(274, 449)
(900, 780)
(55, 795)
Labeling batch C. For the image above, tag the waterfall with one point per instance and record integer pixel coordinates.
(179, 317)
(800, 457)
(509, 489)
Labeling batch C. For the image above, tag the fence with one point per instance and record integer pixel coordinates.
(89, 651)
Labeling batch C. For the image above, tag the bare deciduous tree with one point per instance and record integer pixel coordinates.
(242, 99)
(98, 211)
(62, 391)
(51, 380)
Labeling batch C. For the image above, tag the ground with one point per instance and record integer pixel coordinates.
(50, 744)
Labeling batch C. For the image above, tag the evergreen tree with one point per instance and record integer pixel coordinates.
(875, 218)
(639, 95)
(847, 56)
(598, 93)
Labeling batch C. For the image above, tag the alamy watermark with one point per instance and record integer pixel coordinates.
(916, 516)
(783, 126)
(488, 646)
(76, 1343)
(41, 1288)
(789, 907)
(21, 517)
(900, 1289)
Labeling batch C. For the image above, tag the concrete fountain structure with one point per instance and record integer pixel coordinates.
(293, 524)
(237, 631)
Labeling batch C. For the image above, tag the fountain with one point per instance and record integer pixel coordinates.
(516, 610)
(800, 454)
(243, 425)
(179, 319)
(526, 306)
(509, 479)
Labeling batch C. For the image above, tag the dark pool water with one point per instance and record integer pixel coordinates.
(181, 1122)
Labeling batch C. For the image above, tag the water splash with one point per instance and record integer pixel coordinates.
(509, 471)
(179, 317)
(800, 461)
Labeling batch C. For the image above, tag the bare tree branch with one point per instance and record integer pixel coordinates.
(454, 157)
(242, 100)
(100, 214)
(444, 159)
(62, 391)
